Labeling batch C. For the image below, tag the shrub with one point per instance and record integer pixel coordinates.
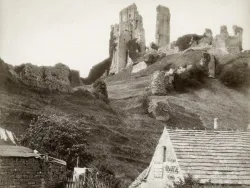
(58, 136)
(154, 46)
(188, 182)
(237, 75)
(193, 77)
(186, 41)
(100, 90)
(103, 180)
(97, 71)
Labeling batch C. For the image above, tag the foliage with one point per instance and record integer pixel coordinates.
(19, 68)
(101, 179)
(134, 48)
(154, 46)
(58, 136)
(193, 77)
(97, 71)
(185, 41)
(100, 90)
(237, 75)
(151, 58)
(188, 182)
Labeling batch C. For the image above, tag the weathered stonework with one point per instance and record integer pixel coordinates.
(27, 172)
(231, 44)
(130, 27)
(162, 34)
(56, 78)
(114, 49)
(157, 85)
(207, 39)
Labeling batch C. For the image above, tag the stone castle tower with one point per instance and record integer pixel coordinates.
(130, 27)
(162, 34)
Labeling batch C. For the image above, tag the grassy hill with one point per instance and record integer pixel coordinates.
(122, 134)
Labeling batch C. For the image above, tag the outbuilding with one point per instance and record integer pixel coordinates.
(21, 167)
(213, 158)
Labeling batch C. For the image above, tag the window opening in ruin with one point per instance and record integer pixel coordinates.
(164, 153)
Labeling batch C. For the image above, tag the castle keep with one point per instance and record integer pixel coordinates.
(130, 27)
(162, 34)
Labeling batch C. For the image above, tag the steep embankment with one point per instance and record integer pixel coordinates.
(193, 109)
(123, 135)
(113, 148)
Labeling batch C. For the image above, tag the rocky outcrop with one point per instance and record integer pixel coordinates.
(208, 61)
(159, 109)
(157, 85)
(130, 27)
(162, 34)
(139, 66)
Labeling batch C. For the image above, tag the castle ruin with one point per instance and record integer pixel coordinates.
(162, 34)
(231, 43)
(130, 28)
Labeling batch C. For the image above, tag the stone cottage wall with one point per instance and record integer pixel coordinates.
(29, 172)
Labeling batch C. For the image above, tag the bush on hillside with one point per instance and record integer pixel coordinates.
(193, 77)
(60, 137)
(134, 49)
(97, 71)
(100, 90)
(237, 75)
(154, 46)
(185, 42)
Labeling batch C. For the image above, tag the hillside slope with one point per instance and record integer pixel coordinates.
(122, 136)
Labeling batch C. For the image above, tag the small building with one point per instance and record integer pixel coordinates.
(20, 167)
(214, 158)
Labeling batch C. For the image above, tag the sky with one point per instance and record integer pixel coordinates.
(76, 32)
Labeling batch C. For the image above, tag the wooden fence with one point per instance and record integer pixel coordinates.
(78, 183)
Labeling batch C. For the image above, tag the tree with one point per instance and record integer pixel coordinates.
(58, 136)
(100, 90)
(236, 75)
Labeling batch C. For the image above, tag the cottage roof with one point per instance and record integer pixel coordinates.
(16, 151)
(219, 157)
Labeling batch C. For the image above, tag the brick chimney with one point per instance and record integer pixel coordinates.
(215, 123)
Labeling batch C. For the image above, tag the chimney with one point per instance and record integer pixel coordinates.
(248, 127)
(215, 123)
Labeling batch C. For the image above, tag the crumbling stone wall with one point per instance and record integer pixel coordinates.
(157, 85)
(57, 78)
(231, 44)
(114, 48)
(130, 27)
(162, 34)
(207, 38)
(27, 172)
(74, 78)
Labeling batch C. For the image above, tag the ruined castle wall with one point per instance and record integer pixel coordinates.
(115, 35)
(162, 34)
(130, 27)
(230, 43)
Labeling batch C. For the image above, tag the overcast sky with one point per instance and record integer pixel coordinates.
(76, 32)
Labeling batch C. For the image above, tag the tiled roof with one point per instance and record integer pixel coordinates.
(16, 151)
(221, 157)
